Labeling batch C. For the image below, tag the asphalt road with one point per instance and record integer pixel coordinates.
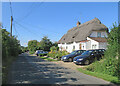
(31, 70)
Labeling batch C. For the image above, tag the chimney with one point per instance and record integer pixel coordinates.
(78, 23)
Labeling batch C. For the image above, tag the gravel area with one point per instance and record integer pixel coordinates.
(31, 70)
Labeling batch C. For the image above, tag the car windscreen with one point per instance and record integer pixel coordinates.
(87, 52)
(73, 52)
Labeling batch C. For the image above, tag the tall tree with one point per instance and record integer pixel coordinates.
(10, 45)
(113, 43)
(32, 45)
(112, 53)
(55, 44)
(45, 44)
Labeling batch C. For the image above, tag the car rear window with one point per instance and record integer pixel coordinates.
(87, 52)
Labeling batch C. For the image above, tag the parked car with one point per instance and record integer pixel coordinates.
(41, 52)
(101, 51)
(70, 56)
(44, 53)
(89, 56)
(38, 52)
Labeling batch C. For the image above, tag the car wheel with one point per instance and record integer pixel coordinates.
(99, 58)
(37, 54)
(87, 62)
(70, 59)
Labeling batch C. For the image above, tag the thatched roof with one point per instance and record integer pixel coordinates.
(99, 39)
(83, 31)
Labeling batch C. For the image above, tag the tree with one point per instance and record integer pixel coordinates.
(32, 46)
(112, 53)
(45, 44)
(10, 45)
(24, 49)
(113, 43)
(53, 48)
(55, 44)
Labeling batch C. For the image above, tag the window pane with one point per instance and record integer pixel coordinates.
(99, 34)
(73, 47)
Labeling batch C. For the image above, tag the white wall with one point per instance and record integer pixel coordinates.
(94, 34)
(103, 45)
(69, 46)
(83, 45)
(92, 42)
(87, 45)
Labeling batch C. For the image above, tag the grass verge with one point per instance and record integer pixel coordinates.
(46, 58)
(6, 63)
(106, 77)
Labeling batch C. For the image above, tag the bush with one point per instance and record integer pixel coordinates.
(10, 45)
(109, 65)
(106, 66)
(57, 54)
(42, 54)
(31, 52)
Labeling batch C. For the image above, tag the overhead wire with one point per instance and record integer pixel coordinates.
(32, 9)
(43, 29)
(16, 30)
(21, 25)
(25, 28)
(11, 8)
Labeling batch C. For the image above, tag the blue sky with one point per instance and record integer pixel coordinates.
(33, 20)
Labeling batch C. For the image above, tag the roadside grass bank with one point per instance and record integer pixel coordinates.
(6, 63)
(106, 77)
(47, 58)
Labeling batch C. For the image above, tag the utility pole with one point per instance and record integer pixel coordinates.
(11, 26)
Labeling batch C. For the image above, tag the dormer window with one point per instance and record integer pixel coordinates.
(98, 34)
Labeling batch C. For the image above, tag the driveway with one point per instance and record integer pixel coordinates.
(31, 70)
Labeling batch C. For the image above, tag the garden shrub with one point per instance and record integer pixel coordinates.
(109, 64)
(31, 52)
(57, 54)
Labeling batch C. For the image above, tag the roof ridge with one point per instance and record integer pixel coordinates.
(90, 21)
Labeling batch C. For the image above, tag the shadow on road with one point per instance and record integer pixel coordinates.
(32, 70)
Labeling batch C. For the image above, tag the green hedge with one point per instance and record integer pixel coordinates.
(57, 54)
(105, 66)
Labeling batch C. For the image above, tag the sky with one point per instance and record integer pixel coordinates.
(33, 20)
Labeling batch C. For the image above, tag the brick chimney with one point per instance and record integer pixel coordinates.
(78, 23)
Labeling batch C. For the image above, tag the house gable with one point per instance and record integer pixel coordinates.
(96, 34)
(82, 31)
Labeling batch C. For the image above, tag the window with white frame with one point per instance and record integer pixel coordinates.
(66, 47)
(98, 34)
(83, 46)
(94, 46)
(73, 47)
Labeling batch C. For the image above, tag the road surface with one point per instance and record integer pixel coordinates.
(31, 70)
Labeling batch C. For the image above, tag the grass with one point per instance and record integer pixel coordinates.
(5, 67)
(46, 58)
(106, 77)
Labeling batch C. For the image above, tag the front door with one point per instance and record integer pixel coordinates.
(80, 47)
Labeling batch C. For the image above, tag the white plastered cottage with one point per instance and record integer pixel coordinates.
(86, 36)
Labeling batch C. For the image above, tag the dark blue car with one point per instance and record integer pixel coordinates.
(70, 56)
(89, 56)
